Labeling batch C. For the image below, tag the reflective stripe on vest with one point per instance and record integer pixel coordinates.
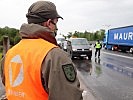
(98, 45)
(23, 70)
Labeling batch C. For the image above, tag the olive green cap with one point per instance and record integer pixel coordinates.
(41, 11)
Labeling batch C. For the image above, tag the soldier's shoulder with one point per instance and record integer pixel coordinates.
(58, 52)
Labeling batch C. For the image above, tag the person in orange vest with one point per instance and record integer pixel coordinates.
(36, 68)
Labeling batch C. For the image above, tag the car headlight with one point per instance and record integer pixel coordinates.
(74, 49)
(90, 49)
(65, 47)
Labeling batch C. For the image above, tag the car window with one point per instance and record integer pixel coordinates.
(60, 39)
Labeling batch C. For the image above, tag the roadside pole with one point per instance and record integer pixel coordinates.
(6, 44)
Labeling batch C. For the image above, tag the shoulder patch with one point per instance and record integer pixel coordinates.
(69, 72)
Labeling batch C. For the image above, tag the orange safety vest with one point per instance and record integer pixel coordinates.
(23, 70)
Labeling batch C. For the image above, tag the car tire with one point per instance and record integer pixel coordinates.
(89, 57)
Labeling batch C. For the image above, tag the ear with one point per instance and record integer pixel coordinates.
(48, 23)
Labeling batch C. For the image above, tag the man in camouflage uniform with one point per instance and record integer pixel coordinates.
(58, 73)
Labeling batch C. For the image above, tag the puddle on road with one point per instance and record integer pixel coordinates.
(97, 68)
(83, 65)
(89, 67)
(94, 67)
(122, 70)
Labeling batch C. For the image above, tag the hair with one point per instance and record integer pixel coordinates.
(40, 23)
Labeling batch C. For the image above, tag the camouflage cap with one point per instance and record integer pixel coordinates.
(41, 11)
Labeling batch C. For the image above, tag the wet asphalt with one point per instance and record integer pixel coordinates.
(110, 77)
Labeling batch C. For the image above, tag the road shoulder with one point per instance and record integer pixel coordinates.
(87, 95)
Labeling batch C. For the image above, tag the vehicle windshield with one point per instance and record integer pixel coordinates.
(61, 39)
(79, 42)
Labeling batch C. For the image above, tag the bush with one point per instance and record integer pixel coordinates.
(1, 48)
(0, 55)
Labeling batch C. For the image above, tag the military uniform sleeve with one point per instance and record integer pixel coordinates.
(60, 76)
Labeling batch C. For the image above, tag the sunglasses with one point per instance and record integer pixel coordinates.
(53, 22)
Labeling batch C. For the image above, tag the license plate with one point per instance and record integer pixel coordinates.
(82, 55)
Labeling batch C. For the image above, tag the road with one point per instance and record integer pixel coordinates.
(2, 91)
(110, 77)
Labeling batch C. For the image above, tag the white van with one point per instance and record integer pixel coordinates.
(64, 44)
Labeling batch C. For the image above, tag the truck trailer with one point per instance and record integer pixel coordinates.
(120, 38)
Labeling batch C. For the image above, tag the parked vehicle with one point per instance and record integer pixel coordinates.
(80, 47)
(119, 39)
(65, 45)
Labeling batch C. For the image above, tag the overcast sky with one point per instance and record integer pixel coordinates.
(79, 15)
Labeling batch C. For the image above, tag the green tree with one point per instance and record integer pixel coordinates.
(10, 32)
(90, 36)
(69, 35)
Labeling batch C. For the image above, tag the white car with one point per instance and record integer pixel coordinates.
(65, 45)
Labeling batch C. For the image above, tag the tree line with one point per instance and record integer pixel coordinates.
(90, 36)
(12, 33)
(14, 38)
